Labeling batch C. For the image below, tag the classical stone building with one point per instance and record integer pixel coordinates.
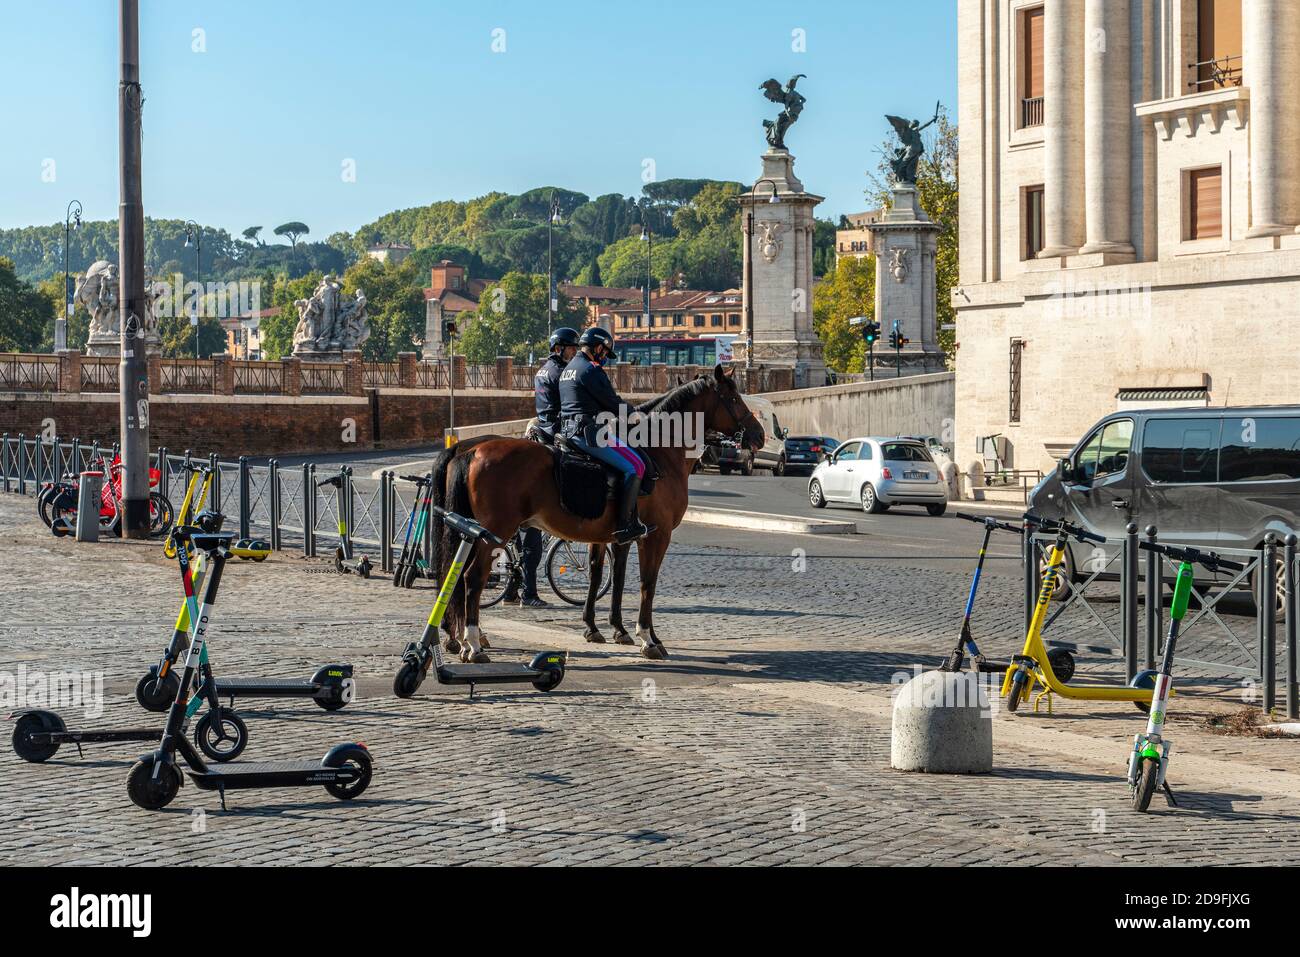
(1130, 197)
(853, 238)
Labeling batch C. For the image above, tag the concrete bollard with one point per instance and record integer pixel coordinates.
(90, 486)
(942, 724)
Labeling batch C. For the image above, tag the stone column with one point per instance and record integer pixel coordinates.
(505, 372)
(69, 371)
(155, 374)
(1270, 40)
(223, 374)
(354, 372)
(291, 376)
(659, 371)
(407, 371)
(1107, 125)
(1063, 176)
(458, 376)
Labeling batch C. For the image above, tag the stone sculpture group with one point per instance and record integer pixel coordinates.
(327, 323)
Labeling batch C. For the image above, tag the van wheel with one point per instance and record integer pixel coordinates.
(1064, 580)
(779, 469)
(724, 469)
(747, 468)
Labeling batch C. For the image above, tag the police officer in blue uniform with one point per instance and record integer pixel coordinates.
(585, 392)
(564, 343)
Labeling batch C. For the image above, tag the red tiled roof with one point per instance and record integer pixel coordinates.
(612, 293)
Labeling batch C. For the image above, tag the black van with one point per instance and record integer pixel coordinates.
(1213, 478)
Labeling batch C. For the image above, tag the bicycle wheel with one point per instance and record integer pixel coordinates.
(161, 515)
(504, 567)
(568, 571)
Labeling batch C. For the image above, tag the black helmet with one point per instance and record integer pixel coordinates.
(564, 336)
(595, 335)
(210, 521)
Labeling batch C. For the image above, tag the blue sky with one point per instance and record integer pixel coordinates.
(255, 130)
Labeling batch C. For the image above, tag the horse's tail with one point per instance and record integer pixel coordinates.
(438, 495)
(456, 499)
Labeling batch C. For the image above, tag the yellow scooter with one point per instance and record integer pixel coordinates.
(1032, 667)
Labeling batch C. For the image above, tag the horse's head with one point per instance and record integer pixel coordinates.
(729, 414)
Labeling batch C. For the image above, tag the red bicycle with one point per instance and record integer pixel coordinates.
(58, 503)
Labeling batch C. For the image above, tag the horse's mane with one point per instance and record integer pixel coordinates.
(675, 399)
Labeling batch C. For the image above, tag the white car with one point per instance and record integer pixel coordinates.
(876, 473)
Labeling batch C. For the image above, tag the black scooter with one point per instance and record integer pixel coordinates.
(1061, 659)
(220, 733)
(331, 687)
(155, 779)
(544, 672)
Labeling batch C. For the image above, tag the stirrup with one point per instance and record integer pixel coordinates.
(632, 532)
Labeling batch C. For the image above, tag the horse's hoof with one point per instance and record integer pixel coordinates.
(451, 646)
(479, 658)
(621, 637)
(653, 652)
(593, 636)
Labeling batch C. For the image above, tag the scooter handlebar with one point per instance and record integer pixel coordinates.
(467, 527)
(1060, 526)
(989, 522)
(1211, 560)
(417, 479)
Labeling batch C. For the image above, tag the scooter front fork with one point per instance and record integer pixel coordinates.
(1148, 749)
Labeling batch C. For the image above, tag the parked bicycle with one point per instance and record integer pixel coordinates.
(567, 569)
(57, 501)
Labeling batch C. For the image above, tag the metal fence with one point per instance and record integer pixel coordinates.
(28, 373)
(99, 373)
(1117, 597)
(259, 378)
(191, 376)
(323, 378)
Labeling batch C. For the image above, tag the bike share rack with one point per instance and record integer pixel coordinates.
(1140, 631)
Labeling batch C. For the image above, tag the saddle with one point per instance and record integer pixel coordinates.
(586, 483)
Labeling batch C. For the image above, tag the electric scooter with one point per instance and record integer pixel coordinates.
(331, 687)
(409, 562)
(220, 734)
(1149, 759)
(343, 560)
(156, 778)
(1062, 660)
(1033, 666)
(544, 672)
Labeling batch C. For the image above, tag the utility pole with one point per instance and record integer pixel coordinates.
(552, 217)
(133, 375)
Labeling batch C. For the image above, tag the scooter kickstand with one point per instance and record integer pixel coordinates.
(1169, 795)
(221, 791)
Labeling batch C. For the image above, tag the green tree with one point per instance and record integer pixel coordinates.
(848, 290)
(293, 230)
(512, 320)
(28, 316)
(394, 305)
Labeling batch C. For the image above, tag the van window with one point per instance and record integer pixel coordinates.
(1260, 449)
(1181, 450)
(1106, 453)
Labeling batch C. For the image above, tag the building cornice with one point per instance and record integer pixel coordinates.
(1188, 114)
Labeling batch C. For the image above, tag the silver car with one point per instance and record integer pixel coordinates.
(879, 472)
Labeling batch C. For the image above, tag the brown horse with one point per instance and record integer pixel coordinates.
(506, 483)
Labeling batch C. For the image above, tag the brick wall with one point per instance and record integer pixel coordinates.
(256, 425)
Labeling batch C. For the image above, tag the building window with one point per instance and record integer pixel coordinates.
(699, 322)
(1204, 203)
(715, 320)
(1031, 204)
(1031, 72)
(1017, 349)
(1218, 44)
(679, 319)
(733, 320)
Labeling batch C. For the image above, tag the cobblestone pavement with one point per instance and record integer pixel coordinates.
(764, 740)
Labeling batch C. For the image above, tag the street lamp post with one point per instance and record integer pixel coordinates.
(552, 219)
(71, 221)
(194, 235)
(749, 271)
(648, 237)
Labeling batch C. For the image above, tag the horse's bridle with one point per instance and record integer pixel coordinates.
(741, 423)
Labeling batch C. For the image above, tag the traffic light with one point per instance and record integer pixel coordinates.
(895, 339)
(448, 329)
(871, 332)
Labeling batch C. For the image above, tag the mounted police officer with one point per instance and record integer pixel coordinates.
(585, 393)
(564, 343)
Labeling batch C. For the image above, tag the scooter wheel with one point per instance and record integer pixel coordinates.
(1143, 679)
(148, 793)
(338, 560)
(157, 694)
(549, 680)
(1062, 663)
(1146, 786)
(219, 747)
(359, 758)
(363, 568)
(408, 680)
(28, 750)
(1017, 690)
(333, 703)
(398, 574)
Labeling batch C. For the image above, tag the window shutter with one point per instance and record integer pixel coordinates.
(1206, 203)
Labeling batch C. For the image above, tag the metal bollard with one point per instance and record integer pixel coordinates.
(309, 510)
(4, 460)
(1129, 598)
(1292, 614)
(1153, 600)
(273, 490)
(22, 464)
(1266, 605)
(214, 501)
(243, 496)
(76, 457)
(1029, 558)
(386, 521)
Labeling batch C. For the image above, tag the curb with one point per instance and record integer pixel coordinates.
(763, 522)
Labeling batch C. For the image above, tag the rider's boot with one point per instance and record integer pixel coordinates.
(629, 526)
(530, 599)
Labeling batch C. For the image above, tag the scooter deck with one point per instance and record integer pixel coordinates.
(504, 673)
(95, 737)
(268, 687)
(266, 774)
